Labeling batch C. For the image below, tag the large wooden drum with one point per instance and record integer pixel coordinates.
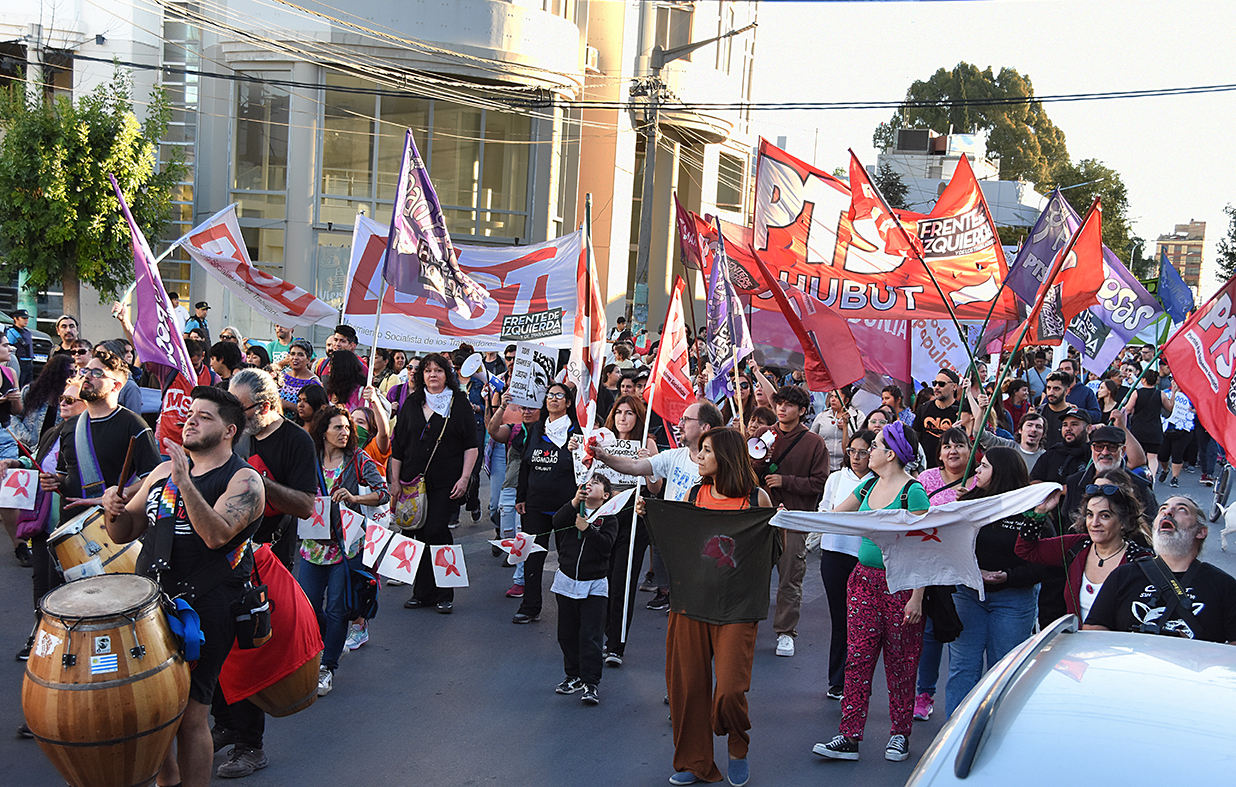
(83, 548)
(105, 685)
(292, 694)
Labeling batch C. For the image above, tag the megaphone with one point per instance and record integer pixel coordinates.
(758, 447)
(474, 364)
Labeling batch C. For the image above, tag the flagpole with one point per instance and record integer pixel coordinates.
(639, 480)
(742, 429)
(377, 319)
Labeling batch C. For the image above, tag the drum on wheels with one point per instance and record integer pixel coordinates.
(105, 685)
(1222, 494)
(83, 548)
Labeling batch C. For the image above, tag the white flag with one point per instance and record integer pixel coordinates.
(354, 525)
(518, 547)
(449, 569)
(317, 526)
(402, 558)
(19, 489)
(375, 540)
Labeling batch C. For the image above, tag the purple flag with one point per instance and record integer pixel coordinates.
(155, 335)
(728, 334)
(1124, 308)
(420, 259)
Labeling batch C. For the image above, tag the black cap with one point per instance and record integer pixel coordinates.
(20, 313)
(1107, 434)
(1076, 412)
(201, 305)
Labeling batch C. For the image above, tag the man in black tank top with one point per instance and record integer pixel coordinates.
(198, 511)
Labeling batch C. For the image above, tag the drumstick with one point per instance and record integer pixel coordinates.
(127, 468)
(22, 447)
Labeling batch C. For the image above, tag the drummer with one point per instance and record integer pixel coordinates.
(92, 456)
(199, 511)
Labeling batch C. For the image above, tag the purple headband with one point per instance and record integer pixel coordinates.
(895, 438)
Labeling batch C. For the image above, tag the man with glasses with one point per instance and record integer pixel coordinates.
(679, 467)
(937, 416)
(92, 457)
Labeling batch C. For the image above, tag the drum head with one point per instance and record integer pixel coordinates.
(102, 596)
(74, 525)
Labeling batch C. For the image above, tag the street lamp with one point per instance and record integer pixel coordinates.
(652, 88)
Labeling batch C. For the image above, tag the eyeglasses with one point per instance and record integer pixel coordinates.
(69, 401)
(858, 453)
(940, 383)
(250, 407)
(79, 351)
(97, 374)
(227, 337)
(685, 418)
(744, 386)
(1105, 489)
(1105, 448)
(555, 395)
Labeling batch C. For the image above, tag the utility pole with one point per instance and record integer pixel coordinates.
(652, 87)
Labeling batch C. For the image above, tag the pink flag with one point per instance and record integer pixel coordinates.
(670, 390)
(155, 335)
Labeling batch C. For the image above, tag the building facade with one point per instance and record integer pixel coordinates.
(1183, 247)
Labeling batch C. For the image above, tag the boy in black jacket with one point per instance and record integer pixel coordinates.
(581, 586)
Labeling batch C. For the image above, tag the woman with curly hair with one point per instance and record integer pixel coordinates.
(39, 399)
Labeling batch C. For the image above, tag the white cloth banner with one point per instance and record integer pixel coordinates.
(532, 296)
(217, 245)
(935, 345)
(935, 548)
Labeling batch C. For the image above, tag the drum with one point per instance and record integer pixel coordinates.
(292, 694)
(105, 685)
(83, 548)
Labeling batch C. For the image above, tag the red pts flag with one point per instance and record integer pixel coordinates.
(827, 366)
(1074, 282)
(693, 249)
(588, 344)
(1202, 356)
(669, 391)
(870, 216)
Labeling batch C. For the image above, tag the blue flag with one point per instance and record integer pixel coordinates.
(729, 339)
(1176, 296)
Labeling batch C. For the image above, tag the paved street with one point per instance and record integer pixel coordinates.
(468, 699)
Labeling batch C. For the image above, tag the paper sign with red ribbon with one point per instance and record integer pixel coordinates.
(401, 559)
(376, 537)
(317, 526)
(354, 525)
(19, 489)
(449, 569)
(613, 505)
(519, 546)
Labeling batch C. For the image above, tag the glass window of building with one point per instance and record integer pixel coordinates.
(730, 185)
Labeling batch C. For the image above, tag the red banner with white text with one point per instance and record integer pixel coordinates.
(1202, 357)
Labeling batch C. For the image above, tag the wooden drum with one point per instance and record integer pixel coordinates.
(292, 694)
(105, 685)
(83, 548)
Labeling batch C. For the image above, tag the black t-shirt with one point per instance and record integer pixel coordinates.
(287, 456)
(931, 422)
(414, 441)
(6, 385)
(546, 472)
(1061, 461)
(110, 437)
(1129, 598)
(1051, 429)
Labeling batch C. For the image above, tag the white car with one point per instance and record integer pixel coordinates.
(1071, 707)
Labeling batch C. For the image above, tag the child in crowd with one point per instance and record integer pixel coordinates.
(581, 586)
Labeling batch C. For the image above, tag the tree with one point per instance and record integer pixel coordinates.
(1227, 246)
(1020, 135)
(59, 218)
(892, 187)
(1087, 179)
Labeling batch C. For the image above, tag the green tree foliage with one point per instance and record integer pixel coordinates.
(1088, 179)
(1020, 135)
(892, 187)
(1227, 246)
(59, 217)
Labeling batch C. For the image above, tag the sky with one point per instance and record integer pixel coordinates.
(1176, 154)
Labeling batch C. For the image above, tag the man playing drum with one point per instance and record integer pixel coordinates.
(198, 510)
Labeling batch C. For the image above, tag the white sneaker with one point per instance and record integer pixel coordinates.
(326, 681)
(357, 635)
(785, 645)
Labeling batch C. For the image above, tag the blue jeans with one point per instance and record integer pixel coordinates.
(497, 474)
(326, 586)
(510, 526)
(992, 627)
(929, 661)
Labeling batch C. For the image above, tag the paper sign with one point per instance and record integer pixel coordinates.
(624, 448)
(354, 525)
(613, 505)
(317, 526)
(375, 539)
(46, 644)
(584, 464)
(401, 559)
(449, 570)
(19, 489)
(532, 374)
(518, 547)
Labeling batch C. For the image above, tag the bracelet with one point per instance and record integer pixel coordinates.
(1032, 514)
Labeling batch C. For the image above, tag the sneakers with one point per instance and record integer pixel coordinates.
(684, 777)
(613, 659)
(739, 772)
(523, 618)
(23, 555)
(1207, 480)
(1162, 475)
(660, 600)
(569, 686)
(24, 653)
(924, 704)
(785, 645)
(590, 697)
(1175, 484)
(516, 591)
(898, 749)
(358, 634)
(326, 681)
(834, 693)
(222, 737)
(647, 586)
(242, 761)
(839, 748)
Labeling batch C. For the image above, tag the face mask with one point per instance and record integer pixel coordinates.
(362, 436)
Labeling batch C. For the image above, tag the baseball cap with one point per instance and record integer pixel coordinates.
(1082, 415)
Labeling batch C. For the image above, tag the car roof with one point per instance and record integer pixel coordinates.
(1097, 707)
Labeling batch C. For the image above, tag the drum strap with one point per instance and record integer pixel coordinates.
(87, 462)
(157, 549)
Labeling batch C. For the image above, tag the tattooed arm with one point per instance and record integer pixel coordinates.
(239, 505)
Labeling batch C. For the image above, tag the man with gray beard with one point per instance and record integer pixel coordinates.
(1174, 593)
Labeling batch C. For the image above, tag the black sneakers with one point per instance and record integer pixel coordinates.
(591, 697)
(839, 748)
(660, 600)
(570, 686)
(898, 749)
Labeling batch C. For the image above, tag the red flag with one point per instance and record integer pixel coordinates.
(669, 391)
(825, 369)
(588, 344)
(1074, 282)
(1202, 356)
(868, 210)
(693, 248)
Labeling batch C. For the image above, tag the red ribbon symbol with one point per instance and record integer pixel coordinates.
(372, 542)
(722, 548)
(928, 535)
(17, 480)
(405, 559)
(516, 545)
(441, 560)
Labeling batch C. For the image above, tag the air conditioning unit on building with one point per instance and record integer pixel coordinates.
(592, 59)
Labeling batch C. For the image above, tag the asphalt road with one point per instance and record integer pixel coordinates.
(468, 699)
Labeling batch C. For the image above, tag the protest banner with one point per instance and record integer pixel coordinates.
(532, 375)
